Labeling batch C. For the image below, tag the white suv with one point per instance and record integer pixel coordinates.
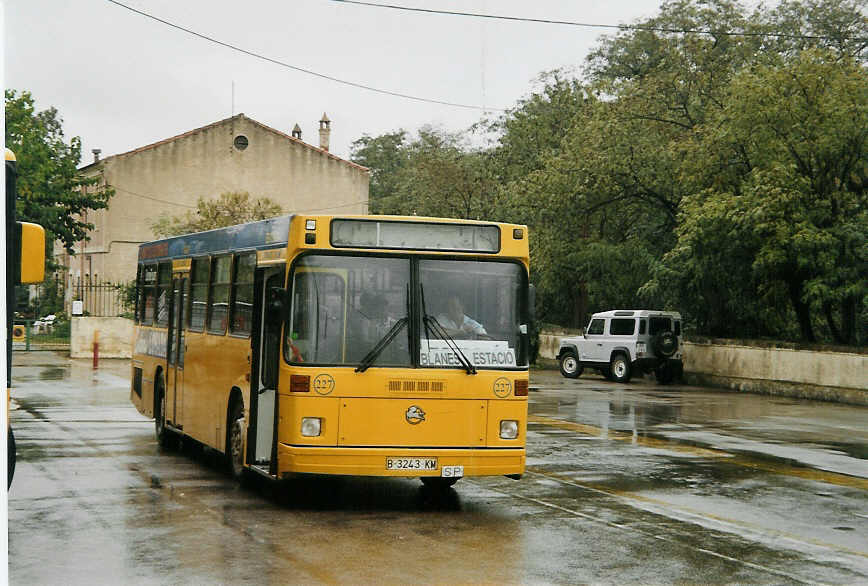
(621, 342)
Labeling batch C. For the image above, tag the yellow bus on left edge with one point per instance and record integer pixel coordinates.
(25, 264)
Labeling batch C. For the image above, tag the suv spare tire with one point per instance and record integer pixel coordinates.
(665, 344)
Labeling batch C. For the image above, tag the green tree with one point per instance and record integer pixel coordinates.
(228, 209)
(535, 128)
(51, 192)
(385, 156)
(434, 174)
(795, 204)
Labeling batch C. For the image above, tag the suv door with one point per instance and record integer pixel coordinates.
(593, 348)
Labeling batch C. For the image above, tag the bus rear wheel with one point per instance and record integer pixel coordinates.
(165, 437)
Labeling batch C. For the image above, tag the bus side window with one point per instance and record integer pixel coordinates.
(198, 299)
(149, 293)
(138, 311)
(164, 290)
(242, 295)
(218, 300)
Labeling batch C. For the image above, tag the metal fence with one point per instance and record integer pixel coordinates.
(43, 311)
(102, 298)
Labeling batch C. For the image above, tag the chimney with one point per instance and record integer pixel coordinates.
(296, 132)
(324, 132)
(96, 153)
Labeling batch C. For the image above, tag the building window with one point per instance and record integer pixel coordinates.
(241, 142)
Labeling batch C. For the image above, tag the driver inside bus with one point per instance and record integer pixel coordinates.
(459, 325)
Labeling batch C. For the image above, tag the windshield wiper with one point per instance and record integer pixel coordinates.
(430, 322)
(378, 348)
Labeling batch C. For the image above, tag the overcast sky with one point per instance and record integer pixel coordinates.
(121, 81)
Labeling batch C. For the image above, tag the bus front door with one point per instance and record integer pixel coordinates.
(175, 378)
(266, 350)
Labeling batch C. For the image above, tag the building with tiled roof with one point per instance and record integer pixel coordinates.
(235, 154)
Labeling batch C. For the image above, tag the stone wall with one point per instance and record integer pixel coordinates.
(839, 374)
(830, 374)
(115, 335)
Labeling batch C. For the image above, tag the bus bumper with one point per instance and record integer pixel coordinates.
(372, 461)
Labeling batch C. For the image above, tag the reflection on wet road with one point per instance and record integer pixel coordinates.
(625, 484)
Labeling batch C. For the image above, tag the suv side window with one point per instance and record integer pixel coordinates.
(621, 326)
(659, 324)
(642, 324)
(595, 328)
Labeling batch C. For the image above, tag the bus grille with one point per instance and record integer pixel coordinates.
(416, 386)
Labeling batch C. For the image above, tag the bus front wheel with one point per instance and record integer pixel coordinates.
(235, 441)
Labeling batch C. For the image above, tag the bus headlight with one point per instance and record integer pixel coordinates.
(508, 429)
(311, 426)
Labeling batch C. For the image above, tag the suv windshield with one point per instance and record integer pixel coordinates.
(355, 311)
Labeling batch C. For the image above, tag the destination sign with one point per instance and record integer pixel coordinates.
(403, 235)
(481, 353)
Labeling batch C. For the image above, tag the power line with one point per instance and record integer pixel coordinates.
(634, 27)
(174, 203)
(344, 205)
(301, 69)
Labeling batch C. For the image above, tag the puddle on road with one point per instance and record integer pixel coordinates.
(54, 373)
(859, 451)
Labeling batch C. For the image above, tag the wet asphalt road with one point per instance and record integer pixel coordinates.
(626, 484)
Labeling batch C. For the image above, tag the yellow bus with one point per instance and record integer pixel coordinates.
(353, 345)
(25, 264)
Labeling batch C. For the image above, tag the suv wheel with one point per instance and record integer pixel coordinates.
(570, 365)
(620, 367)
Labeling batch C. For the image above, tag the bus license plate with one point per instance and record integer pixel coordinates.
(411, 463)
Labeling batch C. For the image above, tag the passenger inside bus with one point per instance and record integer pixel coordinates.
(458, 324)
(373, 319)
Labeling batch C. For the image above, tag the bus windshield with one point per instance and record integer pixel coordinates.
(342, 307)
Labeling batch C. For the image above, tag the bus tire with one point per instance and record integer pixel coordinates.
(10, 457)
(437, 483)
(165, 437)
(235, 440)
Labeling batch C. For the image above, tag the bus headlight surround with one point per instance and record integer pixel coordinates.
(508, 429)
(311, 426)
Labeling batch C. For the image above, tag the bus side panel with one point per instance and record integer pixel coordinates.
(213, 365)
(149, 349)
